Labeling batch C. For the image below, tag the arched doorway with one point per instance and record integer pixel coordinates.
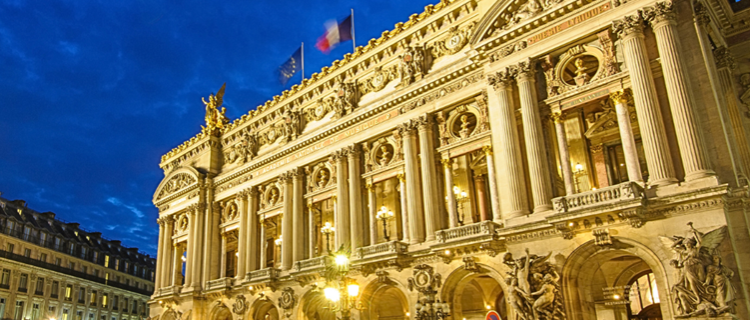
(314, 306)
(622, 282)
(384, 301)
(472, 294)
(222, 313)
(264, 310)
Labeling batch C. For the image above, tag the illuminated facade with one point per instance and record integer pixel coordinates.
(545, 159)
(55, 270)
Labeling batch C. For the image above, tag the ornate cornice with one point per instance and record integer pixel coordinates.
(724, 58)
(501, 79)
(660, 12)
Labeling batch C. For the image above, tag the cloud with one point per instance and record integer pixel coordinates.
(117, 202)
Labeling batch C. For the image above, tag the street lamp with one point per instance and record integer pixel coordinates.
(327, 230)
(342, 291)
(428, 309)
(384, 215)
(461, 197)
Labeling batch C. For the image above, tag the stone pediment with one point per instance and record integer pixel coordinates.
(181, 180)
(602, 125)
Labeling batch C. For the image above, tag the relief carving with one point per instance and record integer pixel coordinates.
(345, 99)
(379, 79)
(411, 65)
(534, 287)
(176, 183)
(242, 151)
(455, 41)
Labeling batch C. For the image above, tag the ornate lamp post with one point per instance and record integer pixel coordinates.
(327, 230)
(425, 281)
(342, 291)
(384, 215)
(461, 197)
(577, 174)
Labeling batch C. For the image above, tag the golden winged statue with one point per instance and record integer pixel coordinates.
(215, 119)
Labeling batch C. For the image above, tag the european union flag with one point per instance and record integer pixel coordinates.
(290, 67)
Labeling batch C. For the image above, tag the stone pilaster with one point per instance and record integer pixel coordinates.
(431, 198)
(653, 134)
(372, 211)
(449, 195)
(254, 236)
(541, 186)
(725, 65)
(298, 228)
(287, 221)
(413, 185)
(243, 236)
(342, 200)
(562, 147)
(160, 256)
(262, 245)
(689, 139)
(404, 207)
(356, 217)
(166, 280)
(620, 99)
(506, 145)
(492, 177)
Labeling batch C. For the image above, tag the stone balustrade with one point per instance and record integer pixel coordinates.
(261, 275)
(392, 247)
(312, 264)
(594, 198)
(218, 284)
(484, 230)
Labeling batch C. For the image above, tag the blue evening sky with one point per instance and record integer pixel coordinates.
(93, 92)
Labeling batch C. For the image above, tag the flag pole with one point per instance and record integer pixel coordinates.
(303, 60)
(354, 39)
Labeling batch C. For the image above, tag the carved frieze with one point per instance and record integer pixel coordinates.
(176, 183)
(379, 79)
(457, 38)
(242, 151)
(412, 66)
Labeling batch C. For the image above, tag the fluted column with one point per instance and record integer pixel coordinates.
(312, 231)
(504, 136)
(243, 236)
(492, 177)
(253, 239)
(166, 280)
(629, 150)
(449, 196)
(431, 195)
(413, 185)
(653, 134)
(189, 266)
(223, 260)
(356, 217)
(298, 229)
(160, 257)
(404, 207)
(342, 200)
(287, 220)
(725, 66)
(262, 245)
(541, 186)
(177, 254)
(562, 147)
(481, 198)
(372, 211)
(689, 139)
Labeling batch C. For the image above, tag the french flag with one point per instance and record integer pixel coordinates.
(336, 32)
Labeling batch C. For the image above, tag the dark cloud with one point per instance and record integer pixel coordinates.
(94, 92)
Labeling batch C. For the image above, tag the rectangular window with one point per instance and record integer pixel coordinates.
(93, 298)
(69, 292)
(39, 287)
(117, 264)
(104, 301)
(127, 265)
(106, 277)
(18, 313)
(96, 256)
(58, 261)
(79, 315)
(91, 316)
(66, 314)
(96, 273)
(82, 295)
(35, 311)
(51, 310)
(116, 303)
(2, 307)
(9, 247)
(5, 279)
(72, 250)
(83, 252)
(125, 308)
(104, 317)
(71, 265)
(43, 257)
(42, 238)
(57, 244)
(85, 269)
(106, 261)
(23, 282)
(26, 233)
(27, 253)
(55, 289)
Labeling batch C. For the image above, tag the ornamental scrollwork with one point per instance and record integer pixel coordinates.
(534, 287)
(379, 79)
(242, 151)
(425, 280)
(240, 305)
(291, 124)
(176, 183)
(287, 301)
(412, 66)
(345, 99)
(456, 40)
(703, 285)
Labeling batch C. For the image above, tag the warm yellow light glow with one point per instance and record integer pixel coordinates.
(332, 294)
(250, 288)
(236, 254)
(616, 297)
(159, 303)
(571, 224)
(278, 241)
(409, 314)
(447, 252)
(183, 259)
(488, 307)
(579, 167)
(341, 260)
(327, 228)
(353, 290)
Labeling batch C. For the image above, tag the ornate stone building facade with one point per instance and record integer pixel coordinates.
(558, 159)
(51, 269)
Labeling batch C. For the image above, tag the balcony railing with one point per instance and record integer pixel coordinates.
(52, 267)
(312, 264)
(222, 283)
(484, 230)
(386, 248)
(594, 198)
(264, 274)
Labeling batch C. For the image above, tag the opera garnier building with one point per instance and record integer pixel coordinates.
(528, 159)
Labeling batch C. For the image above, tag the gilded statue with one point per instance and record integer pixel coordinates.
(215, 119)
(581, 76)
(385, 156)
(702, 283)
(323, 178)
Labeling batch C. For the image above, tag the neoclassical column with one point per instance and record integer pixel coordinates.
(431, 198)
(620, 100)
(298, 229)
(449, 196)
(262, 264)
(287, 220)
(404, 207)
(541, 186)
(356, 216)
(413, 185)
(168, 251)
(253, 239)
(484, 214)
(372, 211)
(492, 177)
(312, 231)
(342, 200)
(160, 256)
(177, 254)
(689, 139)
(725, 65)
(653, 134)
(223, 260)
(504, 136)
(562, 147)
(243, 236)
(189, 266)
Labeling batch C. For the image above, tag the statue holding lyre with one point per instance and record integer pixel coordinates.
(214, 117)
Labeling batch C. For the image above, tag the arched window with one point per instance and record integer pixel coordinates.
(644, 296)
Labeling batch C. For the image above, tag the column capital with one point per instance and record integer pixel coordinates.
(526, 70)
(501, 79)
(700, 13)
(244, 193)
(660, 13)
(297, 173)
(724, 58)
(369, 186)
(556, 117)
(406, 128)
(631, 25)
(620, 96)
(596, 148)
(487, 149)
(401, 177)
(286, 177)
(352, 151)
(423, 122)
(338, 156)
(446, 162)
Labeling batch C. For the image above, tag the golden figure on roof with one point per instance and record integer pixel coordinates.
(215, 119)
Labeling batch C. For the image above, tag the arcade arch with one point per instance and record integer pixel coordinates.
(264, 310)
(472, 294)
(384, 301)
(314, 306)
